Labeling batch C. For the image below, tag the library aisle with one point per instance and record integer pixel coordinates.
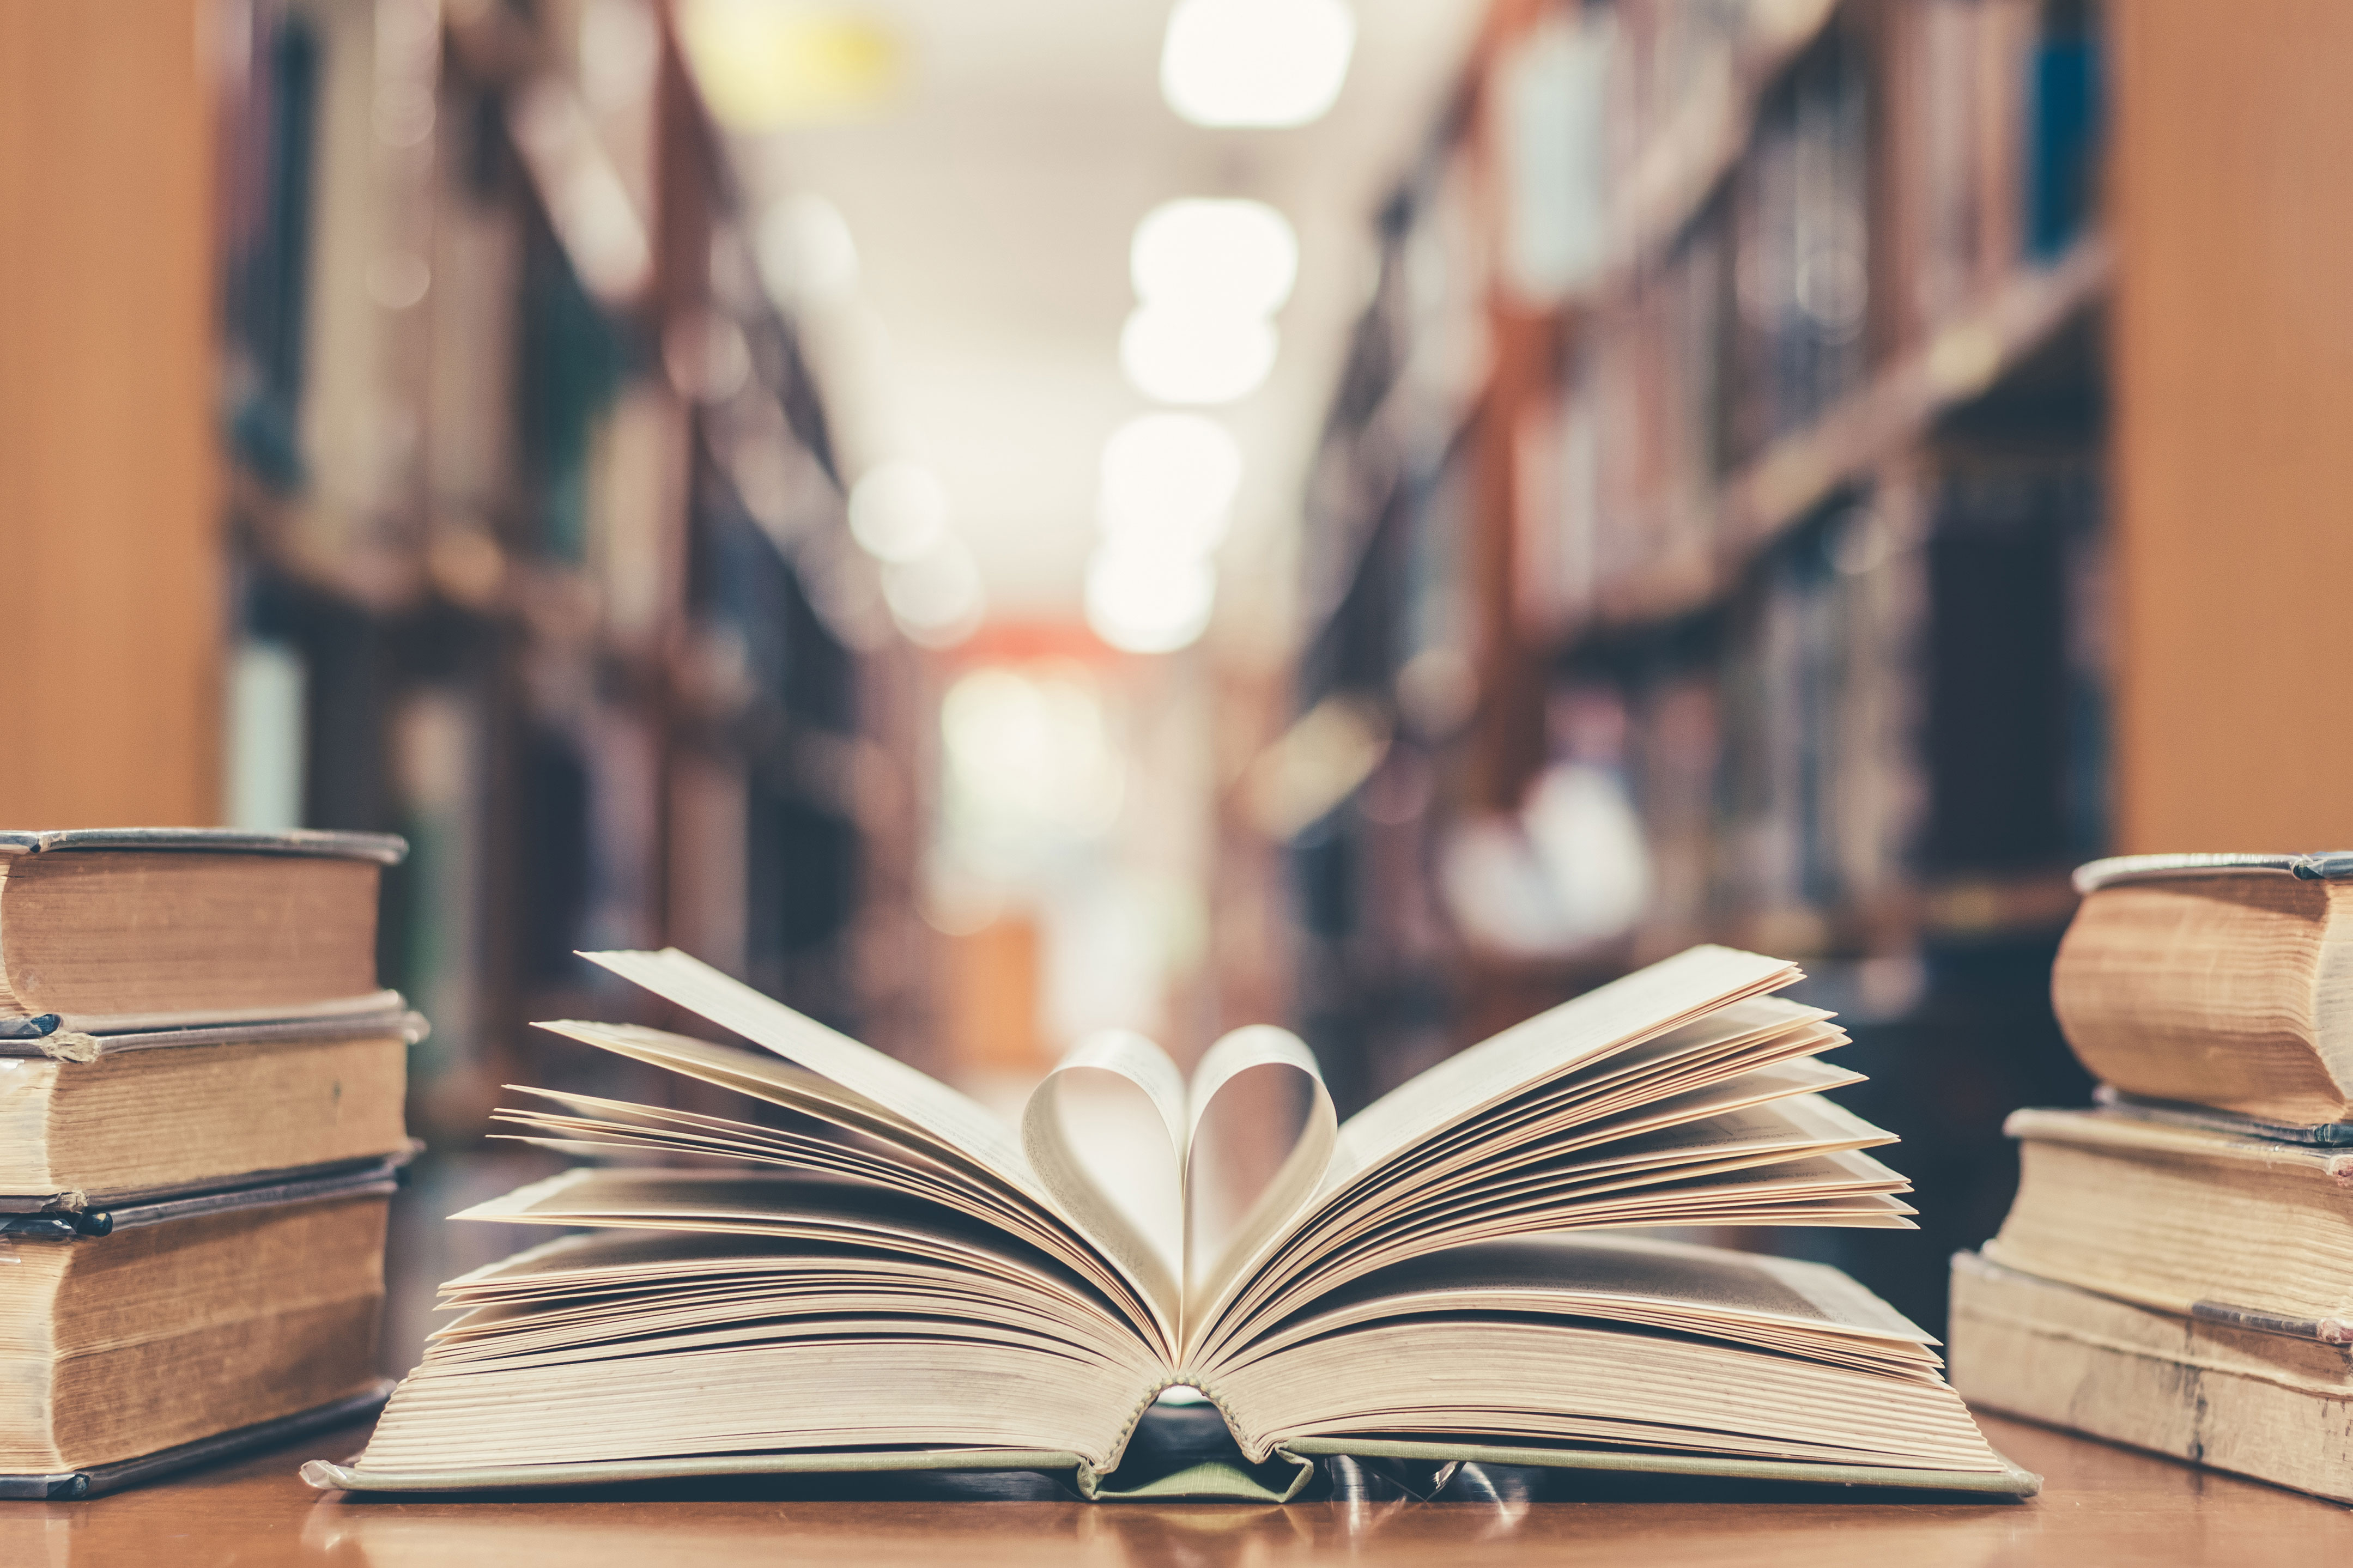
(995, 522)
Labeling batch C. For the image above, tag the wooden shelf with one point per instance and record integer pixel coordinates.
(1762, 503)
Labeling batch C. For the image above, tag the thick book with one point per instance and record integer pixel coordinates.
(141, 1331)
(880, 1274)
(2275, 1406)
(98, 1120)
(2226, 1227)
(2215, 979)
(111, 929)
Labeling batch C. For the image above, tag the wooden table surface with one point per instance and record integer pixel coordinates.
(2100, 1505)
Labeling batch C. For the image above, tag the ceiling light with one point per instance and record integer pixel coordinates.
(1238, 257)
(898, 510)
(766, 64)
(936, 598)
(1194, 356)
(1146, 601)
(1255, 62)
(1169, 480)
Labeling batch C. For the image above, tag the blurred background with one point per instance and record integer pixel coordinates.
(991, 519)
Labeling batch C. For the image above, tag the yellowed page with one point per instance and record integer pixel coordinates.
(1153, 1254)
(904, 1092)
(1650, 1002)
(1294, 1184)
(907, 1093)
(1035, 1216)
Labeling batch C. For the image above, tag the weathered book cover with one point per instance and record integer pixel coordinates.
(2275, 1406)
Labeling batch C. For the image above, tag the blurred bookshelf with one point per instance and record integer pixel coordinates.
(1710, 524)
(539, 549)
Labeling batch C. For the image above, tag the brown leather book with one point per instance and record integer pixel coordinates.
(2216, 980)
(2257, 1402)
(110, 929)
(95, 1119)
(147, 1327)
(2191, 1220)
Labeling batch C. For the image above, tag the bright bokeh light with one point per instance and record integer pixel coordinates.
(805, 252)
(936, 598)
(1147, 599)
(1175, 355)
(1168, 480)
(1256, 62)
(1236, 258)
(897, 510)
(765, 64)
(1028, 756)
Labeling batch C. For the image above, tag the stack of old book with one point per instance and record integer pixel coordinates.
(2177, 1272)
(200, 1130)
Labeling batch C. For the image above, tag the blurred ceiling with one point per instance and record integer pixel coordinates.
(991, 195)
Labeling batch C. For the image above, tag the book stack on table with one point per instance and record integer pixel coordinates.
(201, 1127)
(2177, 1272)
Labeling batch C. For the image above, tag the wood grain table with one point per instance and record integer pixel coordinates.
(2101, 1505)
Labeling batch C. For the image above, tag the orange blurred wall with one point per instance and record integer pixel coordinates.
(2234, 423)
(109, 662)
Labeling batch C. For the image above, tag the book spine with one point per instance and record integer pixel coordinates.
(2026, 1348)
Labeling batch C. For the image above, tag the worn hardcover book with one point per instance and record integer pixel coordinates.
(868, 1270)
(2215, 979)
(94, 1120)
(2276, 1406)
(105, 931)
(138, 1332)
(2184, 1219)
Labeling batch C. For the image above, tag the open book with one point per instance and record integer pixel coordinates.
(881, 1274)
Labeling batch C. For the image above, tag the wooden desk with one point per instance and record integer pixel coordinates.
(2101, 1505)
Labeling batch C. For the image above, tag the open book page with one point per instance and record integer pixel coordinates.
(1613, 1342)
(1758, 1049)
(912, 1095)
(762, 1314)
(886, 1081)
(880, 1278)
(1647, 1003)
(1590, 1083)
(1793, 1161)
(591, 1127)
(618, 1287)
(845, 1213)
(1147, 1237)
(1681, 1095)
(1274, 1211)
(896, 1152)
(1158, 1254)
(1775, 1303)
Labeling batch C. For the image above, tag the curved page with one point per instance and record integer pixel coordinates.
(1276, 1210)
(913, 1095)
(1153, 1258)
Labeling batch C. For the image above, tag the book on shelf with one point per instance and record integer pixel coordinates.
(111, 929)
(2212, 980)
(880, 1274)
(135, 1346)
(2259, 1404)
